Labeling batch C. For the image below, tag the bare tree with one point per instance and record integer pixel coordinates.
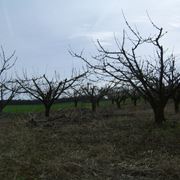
(91, 92)
(7, 62)
(8, 90)
(134, 95)
(94, 94)
(75, 93)
(47, 91)
(111, 96)
(8, 87)
(103, 91)
(118, 95)
(176, 99)
(154, 76)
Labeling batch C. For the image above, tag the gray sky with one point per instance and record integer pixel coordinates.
(41, 31)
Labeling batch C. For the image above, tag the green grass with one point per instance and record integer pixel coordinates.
(40, 107)
(34, 108)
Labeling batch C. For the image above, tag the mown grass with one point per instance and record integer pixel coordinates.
(76, 144)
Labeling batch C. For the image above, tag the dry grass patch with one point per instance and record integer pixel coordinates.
(123, 144)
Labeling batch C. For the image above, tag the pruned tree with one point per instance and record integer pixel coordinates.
(102, 92)
(8, 87)
(8, 90)
(91, 92)
(111, 96)
(94, 94)
(118, 95)
(45, 90)
(176, 100)
(75, 93)
(154, 77)
(135, 96)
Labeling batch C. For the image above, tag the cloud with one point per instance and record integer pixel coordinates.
(41, 30)
(140, 19)
(175, 24)
(105, 37)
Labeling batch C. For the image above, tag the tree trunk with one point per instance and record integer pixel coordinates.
(98, 103)
(75, 103)
(47, 110)
(118, 103)
(124, 101)
(134, 100)
(2, 106)
(93, 104)
(112, 101)
(176, 106)
(145, 100)
(159, 114)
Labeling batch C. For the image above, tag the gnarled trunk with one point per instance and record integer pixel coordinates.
(176, 106)
(158, 110)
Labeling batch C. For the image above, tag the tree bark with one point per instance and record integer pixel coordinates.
(135, 102)
(124, 101)
(93, 104)
(159, 114)
(2, 106)
(98, 103)
(118, 103)
(176, 106)
(47, 110)
(75, 103)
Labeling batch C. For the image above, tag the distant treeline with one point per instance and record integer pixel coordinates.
(61, 100)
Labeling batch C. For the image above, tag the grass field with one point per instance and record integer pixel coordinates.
(34, 108)
(77, 144)
(40, 107)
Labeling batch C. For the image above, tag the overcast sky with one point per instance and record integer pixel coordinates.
(41, 31)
